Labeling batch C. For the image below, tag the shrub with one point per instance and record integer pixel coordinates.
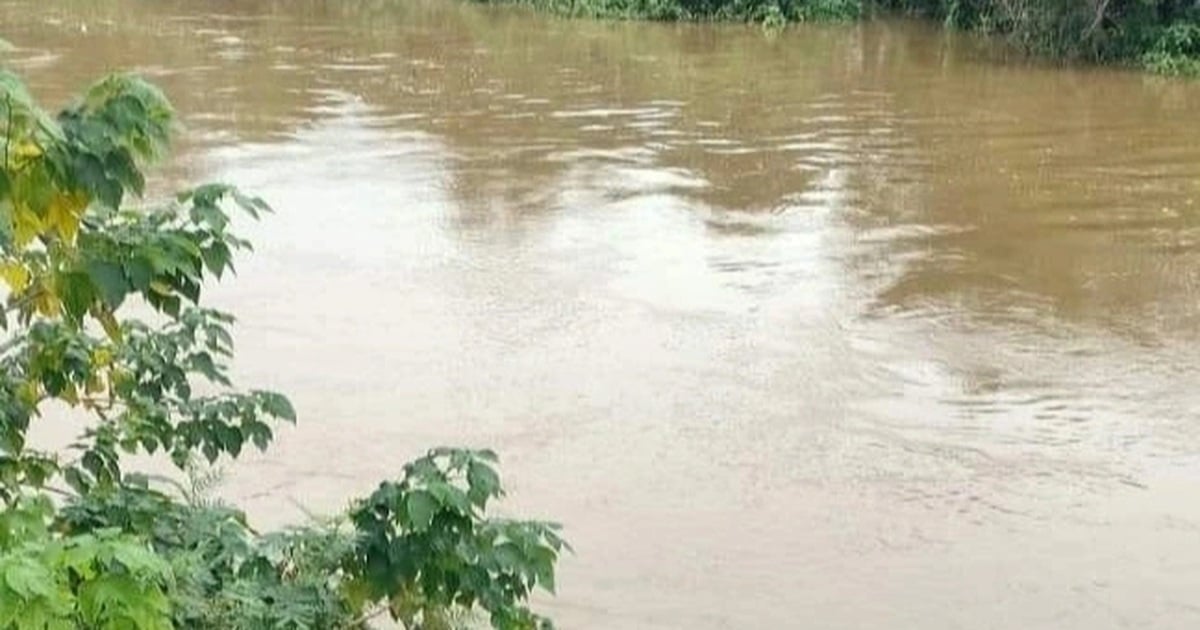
(119, 550)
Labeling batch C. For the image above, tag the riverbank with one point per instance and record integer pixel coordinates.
(1161, 36)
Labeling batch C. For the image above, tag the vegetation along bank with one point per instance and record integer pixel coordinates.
(1159, 35)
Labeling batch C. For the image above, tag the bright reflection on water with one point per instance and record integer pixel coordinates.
(848, 327)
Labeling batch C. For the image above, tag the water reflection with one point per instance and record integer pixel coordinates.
(772, 323)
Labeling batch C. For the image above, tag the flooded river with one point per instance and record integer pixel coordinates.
(853, 326)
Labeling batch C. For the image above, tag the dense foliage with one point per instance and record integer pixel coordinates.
(85, 542)
(766, 11)
(1161, 35)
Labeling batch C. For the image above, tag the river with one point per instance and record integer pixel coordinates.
(852, 326)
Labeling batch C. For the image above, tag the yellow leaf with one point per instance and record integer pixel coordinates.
(47, 304)
(26, 225)
(69, 394)
(160, 287)
(95, 385)
(27, 149)
(28, 392)
(63, 213)
(102, 357)
(15, 275)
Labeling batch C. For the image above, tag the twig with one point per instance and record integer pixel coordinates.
(59, 491)
(1101, 11)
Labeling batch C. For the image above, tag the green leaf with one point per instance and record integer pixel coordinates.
(216, 257)
(119, 165)
(89, 171)
(278, 406)
(92, 463)
(9, 608)
(220, 340)
(76, 480)
(231, 439)
(140, 560)
(77, 294)
(450, 496)
(100, 598)
(109, 279)
(149, 443)
(202, 363)
(259, 433)
(251, 205)
(209, 194)
(190, 290)
(509, 556)
(543, 567)
(420, 507)
(483, 481)
(209, 215)
(140, 272)
(29, 579)
(211, 452)
(171, 305)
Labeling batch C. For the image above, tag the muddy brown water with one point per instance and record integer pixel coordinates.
(849, 327)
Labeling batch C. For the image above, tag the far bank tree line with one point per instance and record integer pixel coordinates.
(1159, 35)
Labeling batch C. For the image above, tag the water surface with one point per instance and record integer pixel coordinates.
(849, 327)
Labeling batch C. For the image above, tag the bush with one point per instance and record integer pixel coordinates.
(119, 550)
(1159, 35)
(1174, 49)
